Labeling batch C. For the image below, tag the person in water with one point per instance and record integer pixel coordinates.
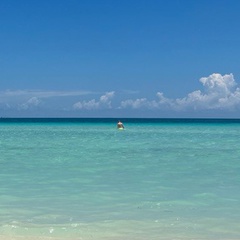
(120, 124)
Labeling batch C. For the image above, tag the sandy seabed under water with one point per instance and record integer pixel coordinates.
(176, 229)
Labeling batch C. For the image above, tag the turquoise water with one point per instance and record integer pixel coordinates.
(84, 179)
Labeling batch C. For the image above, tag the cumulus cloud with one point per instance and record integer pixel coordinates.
(219, 92)
(103, 102)
(138, 103)
(161, 102)
(32, 102)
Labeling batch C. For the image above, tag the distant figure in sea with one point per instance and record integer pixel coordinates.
(120, 125)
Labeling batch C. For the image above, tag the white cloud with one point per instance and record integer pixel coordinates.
(104, 102)
(219, 92)
(218, 83)
(138, 103)
(161, 102)
(105, 99)
(92, 104)
(32, 102)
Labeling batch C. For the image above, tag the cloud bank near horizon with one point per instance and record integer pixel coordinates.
(30, 99)
(220, 92)
(103, 102)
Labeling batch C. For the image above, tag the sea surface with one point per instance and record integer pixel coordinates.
(159, 179)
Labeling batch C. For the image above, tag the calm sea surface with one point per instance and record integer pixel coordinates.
(84, 179)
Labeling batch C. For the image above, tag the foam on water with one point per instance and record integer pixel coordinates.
(86, 180)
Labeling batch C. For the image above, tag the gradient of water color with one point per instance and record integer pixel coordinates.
(84, 179)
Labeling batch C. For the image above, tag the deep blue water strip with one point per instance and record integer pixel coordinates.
(114, 120)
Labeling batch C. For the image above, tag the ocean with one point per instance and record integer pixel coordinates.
(159, 179)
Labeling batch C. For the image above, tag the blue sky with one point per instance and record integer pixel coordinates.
(128, 58)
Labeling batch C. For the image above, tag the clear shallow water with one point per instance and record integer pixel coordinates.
(84, 179)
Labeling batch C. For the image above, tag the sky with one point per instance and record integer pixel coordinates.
(128, 58)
